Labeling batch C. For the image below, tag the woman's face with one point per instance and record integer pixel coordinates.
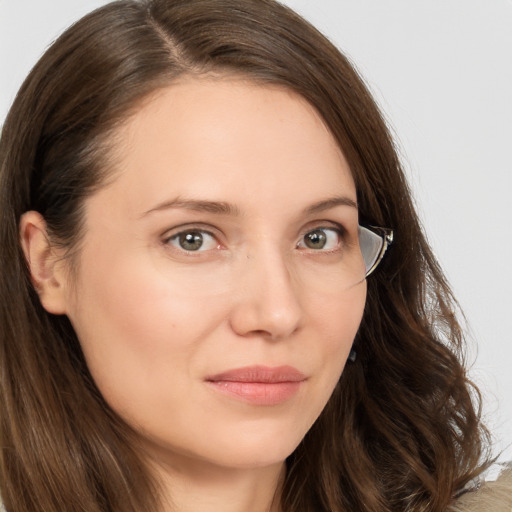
(220, 284)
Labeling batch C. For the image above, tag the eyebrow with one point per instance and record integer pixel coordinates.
(223, 208)
(216, 207)
(329, 203)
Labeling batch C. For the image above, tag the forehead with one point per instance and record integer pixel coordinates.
(228, 140)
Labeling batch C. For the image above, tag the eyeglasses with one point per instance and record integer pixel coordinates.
(360, 259)
(374, 242)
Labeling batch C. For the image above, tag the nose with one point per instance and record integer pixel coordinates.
(267, 301)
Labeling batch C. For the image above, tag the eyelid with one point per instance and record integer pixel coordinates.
(216, 234)
(176, 231)
(190, 226)
(323, 225)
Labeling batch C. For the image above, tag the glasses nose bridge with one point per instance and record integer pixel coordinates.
(270, 301)
(272, 270)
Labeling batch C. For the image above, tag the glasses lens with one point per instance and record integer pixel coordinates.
(373, 246)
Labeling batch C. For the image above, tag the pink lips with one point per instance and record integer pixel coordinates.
(259, 385)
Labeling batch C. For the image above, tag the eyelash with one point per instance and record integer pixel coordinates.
(338, 231)
(179, 237)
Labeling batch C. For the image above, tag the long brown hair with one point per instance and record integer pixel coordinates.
(402, 430)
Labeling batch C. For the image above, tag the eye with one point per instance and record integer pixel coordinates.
(193, 240)
(321, 239)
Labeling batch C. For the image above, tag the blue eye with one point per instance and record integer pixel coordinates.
(193, 240)
(321, 239)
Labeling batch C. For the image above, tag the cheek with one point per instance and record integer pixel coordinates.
(130, 323)
(143, 330)
(127, 302)
(338, 316)
(335, 322)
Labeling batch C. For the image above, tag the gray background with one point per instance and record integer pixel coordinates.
(442, 72)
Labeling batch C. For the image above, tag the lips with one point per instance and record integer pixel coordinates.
(259, 385)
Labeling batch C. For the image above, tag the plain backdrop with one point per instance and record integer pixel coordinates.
(441, 71)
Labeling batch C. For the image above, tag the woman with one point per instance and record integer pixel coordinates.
(189, 195)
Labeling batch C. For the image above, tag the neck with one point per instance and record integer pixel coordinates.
(192, 486)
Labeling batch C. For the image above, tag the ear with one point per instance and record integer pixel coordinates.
(45, 262)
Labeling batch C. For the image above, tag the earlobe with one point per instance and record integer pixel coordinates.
(45, 264)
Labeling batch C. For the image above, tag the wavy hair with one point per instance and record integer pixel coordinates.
(402, 430)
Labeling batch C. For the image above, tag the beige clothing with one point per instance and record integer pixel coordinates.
(490, 497)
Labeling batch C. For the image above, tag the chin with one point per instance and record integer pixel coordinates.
(256, 456)
(242, 447)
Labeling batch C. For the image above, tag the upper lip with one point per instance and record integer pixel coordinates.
(259, 373)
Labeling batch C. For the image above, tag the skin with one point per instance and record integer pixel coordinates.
(155, 320)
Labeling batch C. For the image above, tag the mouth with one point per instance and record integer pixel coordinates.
(259, 385)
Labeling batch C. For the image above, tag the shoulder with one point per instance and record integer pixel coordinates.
(491, 496)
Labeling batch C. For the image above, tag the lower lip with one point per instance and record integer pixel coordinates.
(258, 393)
